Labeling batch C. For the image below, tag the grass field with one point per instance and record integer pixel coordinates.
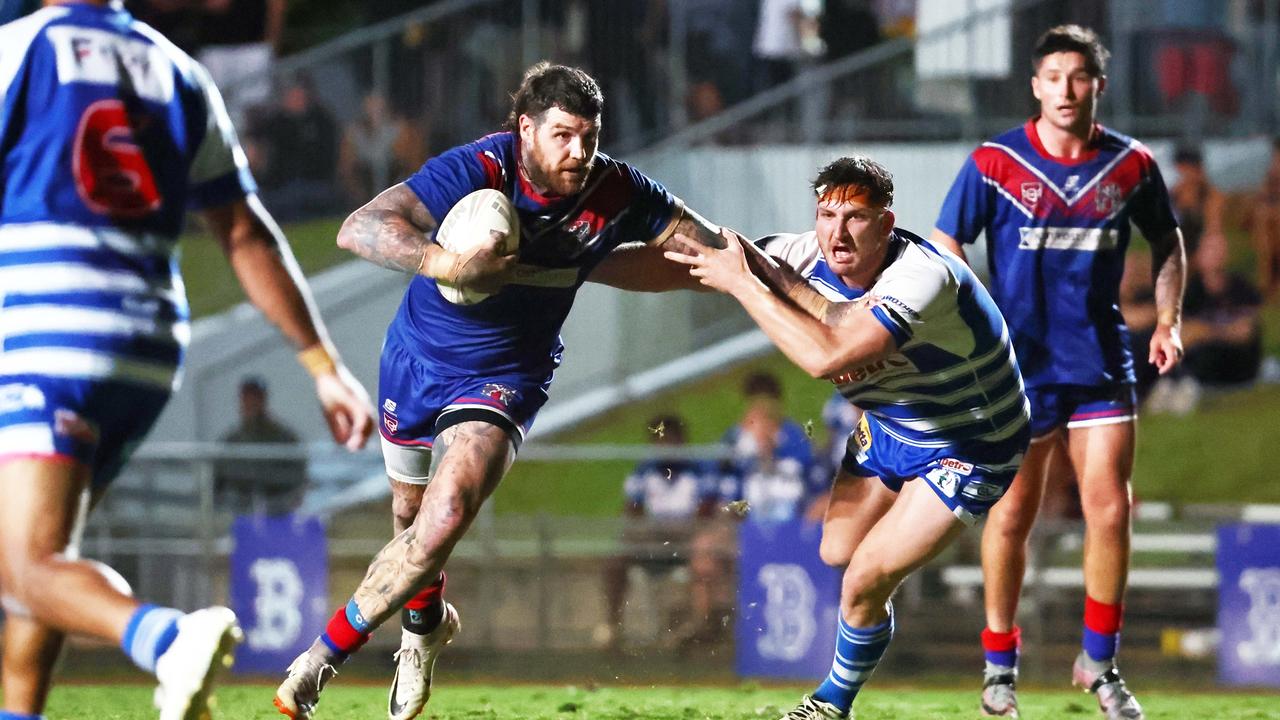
(748, 702)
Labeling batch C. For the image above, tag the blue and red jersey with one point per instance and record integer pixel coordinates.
(516, 331)
(1057, 230)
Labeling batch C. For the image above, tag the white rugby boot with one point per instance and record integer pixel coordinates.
(999, 691)
(1114, 699)
(204, 646)
(415, 661)
(813, 709)
(299, 694)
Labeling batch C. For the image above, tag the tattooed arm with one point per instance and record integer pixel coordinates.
(392, 230)
(1168, 262)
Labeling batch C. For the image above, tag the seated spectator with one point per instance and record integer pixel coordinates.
(238, 42)
(1196, 202)
(669, 504)
(378, 148)
(1221, 329)
(297, 147)
(1264, 227)
(773, 469)
(272, 486)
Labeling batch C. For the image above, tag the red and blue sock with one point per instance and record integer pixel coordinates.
(346, 632)
(1001, 648)
(151, 630)
(1101, 629)
(425, 611)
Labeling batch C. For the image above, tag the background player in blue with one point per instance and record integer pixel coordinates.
(924, 352)
(109, 135)
(460, 385)
(1055, 199)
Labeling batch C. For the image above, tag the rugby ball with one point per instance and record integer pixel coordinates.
(468, 224)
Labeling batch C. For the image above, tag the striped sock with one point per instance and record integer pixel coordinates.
(149, 633)
(1001, 648)
(858, 651)
(424, 611)
(1101, 629)
(6, 715)
(347, 631)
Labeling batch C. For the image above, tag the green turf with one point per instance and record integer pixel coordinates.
(747, 702)
(212, 287)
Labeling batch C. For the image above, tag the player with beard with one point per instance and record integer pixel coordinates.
(460, 385)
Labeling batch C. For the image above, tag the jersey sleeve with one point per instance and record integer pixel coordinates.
(656, 210)
(1151, 209)
(219, 171)
(447, 178)
(906, 295)
(967, 206)
(799, 251)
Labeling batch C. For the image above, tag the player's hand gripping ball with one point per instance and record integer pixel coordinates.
(474, 220)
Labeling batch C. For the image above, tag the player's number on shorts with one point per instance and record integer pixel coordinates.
(110, 169)
(277, 605)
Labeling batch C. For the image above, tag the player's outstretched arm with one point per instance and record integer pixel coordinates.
(269, 274)
(847, 337)
(1169, 267)
(392, 230)
(641, 267)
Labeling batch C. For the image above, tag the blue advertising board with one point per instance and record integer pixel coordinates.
(279, 588)
(1249, 604)
(788, 602)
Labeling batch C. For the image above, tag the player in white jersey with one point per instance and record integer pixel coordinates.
(108, 135)
(925, 354)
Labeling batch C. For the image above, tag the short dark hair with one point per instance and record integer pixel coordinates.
(1072, 38)
(546, 86)
(858, 170)
(764, 384)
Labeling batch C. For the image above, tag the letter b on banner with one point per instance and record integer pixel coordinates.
(1249, 604)
(279, 588)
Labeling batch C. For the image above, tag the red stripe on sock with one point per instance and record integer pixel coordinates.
(429, 595)
(1101, 617)
(1001, 641)
(346, 638)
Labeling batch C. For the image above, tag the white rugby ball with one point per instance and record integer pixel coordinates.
(468, 224)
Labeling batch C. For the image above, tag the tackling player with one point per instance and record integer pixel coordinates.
(108, 135)
(924, 353)
(460, 385)
(1055, 198)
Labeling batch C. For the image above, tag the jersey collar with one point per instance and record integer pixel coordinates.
(1094, 145)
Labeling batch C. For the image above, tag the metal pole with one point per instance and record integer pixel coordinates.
(208, 533)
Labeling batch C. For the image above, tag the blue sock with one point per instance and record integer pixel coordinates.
(150, 632)
(5, 715)
(858, 651)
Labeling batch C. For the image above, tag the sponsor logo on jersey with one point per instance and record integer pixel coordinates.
(389, 405)
(1031, 192)
(862, 437)
(891, 300)
(943, 479)
(1067, 238)
(389, 419)
(19, 396)
(1107, 199)
(504, 394)
(67, 422)
(1073, 182)
(98, 57)
(963, 468)
(866, 372)
(982, 490)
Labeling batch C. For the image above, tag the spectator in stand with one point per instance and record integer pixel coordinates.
(773, 468)
(273, 486)
(177, 20)
(625, 35)
(298, 147)
(719, 72)
(238, 44)
(1264, 227)
(668, 504)
(1222, 332)
(847, 26)
(378, 148)
(1196, 202)
(786, 36)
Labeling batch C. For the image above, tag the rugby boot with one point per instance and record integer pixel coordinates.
(415, 661)
(814, 709)
(299, 694)
(1114, 699)
(999, 693)
(204, 646)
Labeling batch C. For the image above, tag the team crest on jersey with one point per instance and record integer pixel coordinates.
(496, 391)
(1031, 192)
(1107, 198)
(963, 468)
(69, 423)
(945, 480)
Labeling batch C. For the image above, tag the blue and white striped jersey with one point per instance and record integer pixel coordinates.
(108, 135)
(954, 379)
